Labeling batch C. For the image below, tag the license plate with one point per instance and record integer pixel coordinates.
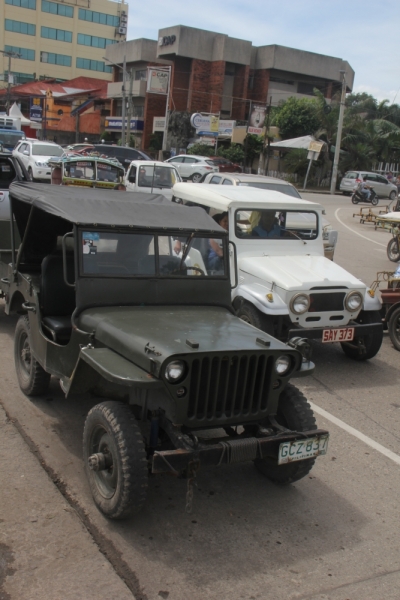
(302, 449)
(344, 334)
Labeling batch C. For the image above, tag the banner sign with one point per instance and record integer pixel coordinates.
(36, 110)
(157, 81)
(316, 146)
(158, 124)
(256, 118)
(226, 127)
(115, 124)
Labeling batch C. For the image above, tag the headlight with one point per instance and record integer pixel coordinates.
(353, 301)
(300, 304)
(39, 163)
(175, 370)
(282, 365)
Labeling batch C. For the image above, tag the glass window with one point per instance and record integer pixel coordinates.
(24, 53)
(56, 34)
(160, 177)
(381, 179)
(276, 224)
(141, 75)
(23, 3)
(57, 9)
(371, 177)
(92, 40)
(46, 150)
(289, 190)
(19, 27)
(179, 159)
(227, 182)
(216, 179)
(108, 173)
(351, 175)
(97, 17)
(56, 59)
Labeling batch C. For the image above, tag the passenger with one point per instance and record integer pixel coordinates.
(268, 226)
(215, 254)
(120, 187)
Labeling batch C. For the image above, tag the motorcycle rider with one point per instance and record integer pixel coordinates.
(364, 188)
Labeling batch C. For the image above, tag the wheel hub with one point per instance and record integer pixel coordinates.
(100, 461)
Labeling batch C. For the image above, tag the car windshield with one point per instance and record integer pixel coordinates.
(117, 254)
(44, 150)
(277, 187)
(160, 177)
(10, 138)
(276, 224)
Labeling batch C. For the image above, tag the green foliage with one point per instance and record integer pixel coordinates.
(234, 152)
(253, 145)
(156, 140)
(201, 150)
(131, 142)
(296, 117)
(296, 161)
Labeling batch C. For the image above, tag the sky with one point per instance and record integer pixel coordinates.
(363, 33)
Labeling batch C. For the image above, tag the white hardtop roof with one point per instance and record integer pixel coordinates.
(223, 197)
(149, 163)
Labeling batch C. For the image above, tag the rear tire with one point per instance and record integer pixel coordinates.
(196, 177)
(294, 412)
(393, 252)
(120, 489)
(32, 378)
(394, 328)
(250, 314)
(372, 341)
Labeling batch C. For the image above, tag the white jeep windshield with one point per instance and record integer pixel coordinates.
(276, 224)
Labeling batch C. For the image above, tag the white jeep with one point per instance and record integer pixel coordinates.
(284, 283)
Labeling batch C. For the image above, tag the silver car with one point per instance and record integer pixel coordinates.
(382, 187)
(277, 185)
(192, 167)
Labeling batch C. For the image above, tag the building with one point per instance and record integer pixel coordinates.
(61, 40)
(214, 73)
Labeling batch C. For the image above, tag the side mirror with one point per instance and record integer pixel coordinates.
(332, 237)
(233, 268)
(26, 152)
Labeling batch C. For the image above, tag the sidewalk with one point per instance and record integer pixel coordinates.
(45, 551)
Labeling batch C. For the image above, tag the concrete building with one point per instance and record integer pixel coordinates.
(212, 72)
(60, 40)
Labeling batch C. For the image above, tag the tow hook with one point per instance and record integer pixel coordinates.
(100, 461)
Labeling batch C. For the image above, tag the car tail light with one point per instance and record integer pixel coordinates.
(209, 168)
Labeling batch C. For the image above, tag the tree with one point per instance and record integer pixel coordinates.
(296, 117)
(234, 152)
(201, 150)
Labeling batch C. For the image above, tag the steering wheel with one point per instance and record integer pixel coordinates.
(187, 268)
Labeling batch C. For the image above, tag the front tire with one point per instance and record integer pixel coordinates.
(393, 252)
(295, 413)
(250, 314)
(394, 328)
(32, 378)
(354, 199)
(111, 431)
(392, 195)
(375, 201)
(196, 177)
(30, 174)
(372, 342)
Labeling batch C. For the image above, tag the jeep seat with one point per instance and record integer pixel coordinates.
(57, 299)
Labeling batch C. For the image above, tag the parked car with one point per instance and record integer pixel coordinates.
(286, 286)
(35, 156)
(153, 177)
(279, 185)
(108, 308)
(192, 167)
(383, 188)
(123, 154)
(224, 165)
(11, 169)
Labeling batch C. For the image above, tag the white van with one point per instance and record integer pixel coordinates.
(151, 177)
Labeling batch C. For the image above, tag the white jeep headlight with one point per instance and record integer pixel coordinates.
(300, 303)
(175, 370)
(353, 301)
(283, 364)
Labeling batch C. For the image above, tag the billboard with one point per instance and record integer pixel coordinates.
(257, 116)
(157, 81)
(36, 110)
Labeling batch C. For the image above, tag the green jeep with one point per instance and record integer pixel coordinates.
(108, 307)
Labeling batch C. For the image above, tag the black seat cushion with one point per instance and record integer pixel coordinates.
(56, 297)
(60, 327)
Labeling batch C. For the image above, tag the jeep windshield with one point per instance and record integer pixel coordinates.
(121, 254)
(276, 224)
(156, 177)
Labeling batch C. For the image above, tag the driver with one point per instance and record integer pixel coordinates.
(268, 226)
(364, 188)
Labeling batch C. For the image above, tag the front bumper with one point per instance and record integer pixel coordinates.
(41, 172)
(315, 333)
(224, 453)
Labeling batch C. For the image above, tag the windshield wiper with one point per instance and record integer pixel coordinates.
(186, 251)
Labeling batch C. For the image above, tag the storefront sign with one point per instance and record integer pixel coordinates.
(158, 124)
(115, 124)
(167, 40)
(226, 127)
(256, 119)
(157, 81)
(36, 110)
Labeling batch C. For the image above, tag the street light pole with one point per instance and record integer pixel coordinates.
(123, 124)
(338, 135)
(10, 55)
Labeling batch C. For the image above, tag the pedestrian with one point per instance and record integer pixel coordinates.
(389, 176)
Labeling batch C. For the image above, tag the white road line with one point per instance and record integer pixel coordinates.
(364, 438)
(356, 232)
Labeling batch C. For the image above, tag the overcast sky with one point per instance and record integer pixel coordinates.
(365, 34)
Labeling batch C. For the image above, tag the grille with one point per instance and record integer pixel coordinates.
(327, 302)
(229, 386)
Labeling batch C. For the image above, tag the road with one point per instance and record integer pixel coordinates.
(331, 536)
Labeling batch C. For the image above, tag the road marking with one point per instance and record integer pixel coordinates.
(364, 438)
(356, 232)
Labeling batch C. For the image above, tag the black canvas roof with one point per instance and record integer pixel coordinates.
(109, 207)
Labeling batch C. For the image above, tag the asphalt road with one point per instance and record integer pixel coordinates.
(331, 536)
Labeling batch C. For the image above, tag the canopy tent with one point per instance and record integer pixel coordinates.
(299, 142)
(15, 112)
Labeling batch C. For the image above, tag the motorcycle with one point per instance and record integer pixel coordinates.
(359, 197)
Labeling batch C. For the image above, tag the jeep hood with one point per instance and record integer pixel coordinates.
(150, 333)
(298, 272)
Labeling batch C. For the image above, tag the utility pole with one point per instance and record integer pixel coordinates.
(9, 55)
(266, 125)
(128, 125)
(338, 135)
(123, 102)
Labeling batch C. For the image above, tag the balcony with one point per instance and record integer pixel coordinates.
(114, 89)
